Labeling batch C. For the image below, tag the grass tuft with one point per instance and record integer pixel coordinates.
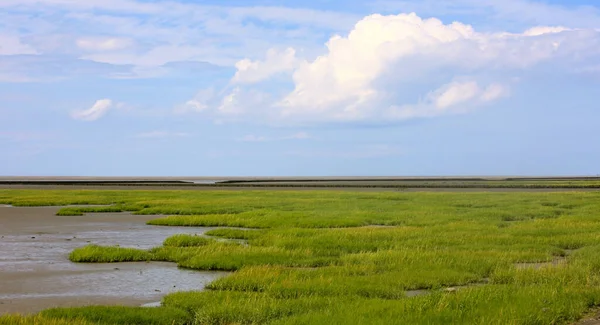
(185, 240)
(114, 254)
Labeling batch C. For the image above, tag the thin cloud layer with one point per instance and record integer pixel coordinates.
(12, 45)
(152, 34)
(260, 138)
(161, 135)
(103, 44)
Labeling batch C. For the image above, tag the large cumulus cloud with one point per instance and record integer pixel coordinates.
(360, 75)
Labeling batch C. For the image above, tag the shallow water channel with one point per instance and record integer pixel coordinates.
(35, 272)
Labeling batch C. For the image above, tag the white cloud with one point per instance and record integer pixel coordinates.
(99, 109)
(103, 43)
(457, 97)
(194, 105)
(241, 101)
(199, 103)
(161, 134)
(360, 75)
(276, 62)
(455, 93)
(343, 82)
(461, 92)
(494, 92)
(541, 30)
(170, 31)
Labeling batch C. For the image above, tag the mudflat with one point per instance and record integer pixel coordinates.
(35, 272)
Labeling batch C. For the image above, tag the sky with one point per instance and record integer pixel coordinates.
(299, 88)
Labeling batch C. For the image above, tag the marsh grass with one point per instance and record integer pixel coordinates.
(40, 320)
(223, 307)
(114, 254)
(230, 233)
(349, 258)
(121, 315)
(79, 211)
(481, 305)
(185, 240)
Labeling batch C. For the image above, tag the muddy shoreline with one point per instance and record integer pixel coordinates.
(36, 273)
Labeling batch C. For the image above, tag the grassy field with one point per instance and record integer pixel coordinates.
(328, 257)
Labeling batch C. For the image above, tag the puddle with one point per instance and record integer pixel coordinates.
(62, 206)
(557, 261)
(422, 292)
(36, 273)
(86, 205)
(137, 281)
(416, 293)
(379, 227)
(205, 182)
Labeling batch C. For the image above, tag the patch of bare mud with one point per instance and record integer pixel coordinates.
(36, 274)
(592, 319)
(416, 293)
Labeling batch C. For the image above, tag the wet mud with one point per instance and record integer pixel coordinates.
(35, 272)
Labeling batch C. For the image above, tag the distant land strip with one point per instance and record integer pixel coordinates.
(346, 182)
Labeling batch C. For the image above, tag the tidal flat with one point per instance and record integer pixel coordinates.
(35, 272)
(342, 257)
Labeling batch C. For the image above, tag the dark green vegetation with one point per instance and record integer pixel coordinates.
(450, 183)
(361, 258)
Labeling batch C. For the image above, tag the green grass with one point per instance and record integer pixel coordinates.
(354, 257)
(231, 233)
(121, 315)
(39, 320)
(186, 241)
(79, 211)
(98, 254)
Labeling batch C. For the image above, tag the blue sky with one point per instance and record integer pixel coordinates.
(299, 88)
